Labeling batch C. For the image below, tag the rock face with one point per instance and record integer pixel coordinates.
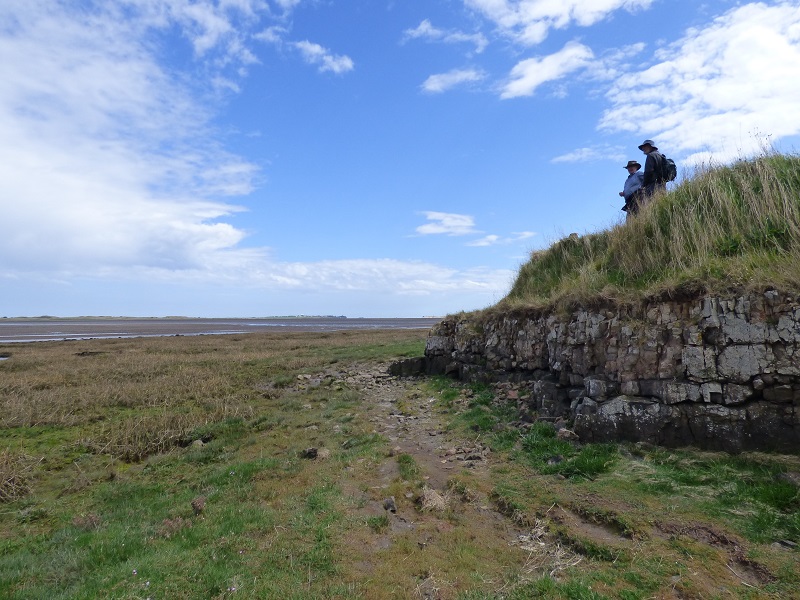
(718, 373)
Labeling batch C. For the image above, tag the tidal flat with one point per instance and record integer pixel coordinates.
(291, 465)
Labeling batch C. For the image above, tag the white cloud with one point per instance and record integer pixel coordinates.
(287, 5)
(425, 30)
(447, 223)
(383, 275)
(489, 240)
(720, 87)
(494, 240)
(315, 54)
(436, 84)
(529, 21)
(529, 74)
(589, 155)
(107, 159)
(274, 34)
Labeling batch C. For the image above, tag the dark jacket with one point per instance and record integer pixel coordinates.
(653, 172)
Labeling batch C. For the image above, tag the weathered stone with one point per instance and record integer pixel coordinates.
(629, 388)
(736, 394)
(779, 393)
(568, 435)
(711, 392)
(741, 363)
(700, 363)
(716, 372)
(595, 387)
(674, 392)
(408, 367)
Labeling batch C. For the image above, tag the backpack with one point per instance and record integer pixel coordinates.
(668, 169)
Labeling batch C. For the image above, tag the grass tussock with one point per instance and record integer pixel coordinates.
(725, 227)
(14, 476)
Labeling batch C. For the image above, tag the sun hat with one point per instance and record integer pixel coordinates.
(633, 163)
(648, 143)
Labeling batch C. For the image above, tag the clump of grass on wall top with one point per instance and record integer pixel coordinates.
(725, 227)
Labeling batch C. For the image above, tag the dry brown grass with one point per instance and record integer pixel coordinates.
(14, 475)
(131, 398)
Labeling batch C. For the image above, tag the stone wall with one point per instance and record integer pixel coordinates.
(718, 373)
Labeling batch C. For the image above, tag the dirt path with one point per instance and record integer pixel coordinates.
(432, 502)
(451, 497)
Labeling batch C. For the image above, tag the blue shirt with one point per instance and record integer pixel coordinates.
(632, 183)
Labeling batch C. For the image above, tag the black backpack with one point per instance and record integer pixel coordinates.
(668, 169)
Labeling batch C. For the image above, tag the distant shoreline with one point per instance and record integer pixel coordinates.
(40, 329)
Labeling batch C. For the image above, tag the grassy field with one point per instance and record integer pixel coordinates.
(181, 468)
(722, 228)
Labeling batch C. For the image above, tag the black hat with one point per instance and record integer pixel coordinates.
(633, 163)
(648, 143)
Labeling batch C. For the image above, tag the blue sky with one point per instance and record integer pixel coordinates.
(383, 158)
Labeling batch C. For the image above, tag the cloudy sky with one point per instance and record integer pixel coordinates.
(358, 157)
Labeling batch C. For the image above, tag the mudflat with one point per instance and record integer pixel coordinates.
(42, 329)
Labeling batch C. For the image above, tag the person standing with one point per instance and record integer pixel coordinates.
(631, 191)
(653, 177)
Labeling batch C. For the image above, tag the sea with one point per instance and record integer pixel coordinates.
(51, 328)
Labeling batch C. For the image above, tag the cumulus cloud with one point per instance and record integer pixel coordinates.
(720, 87)
(436, 84)
(447, 224)
(106, 155)
(426, 31)
(529, 21)
(315, 54)
(529, 74)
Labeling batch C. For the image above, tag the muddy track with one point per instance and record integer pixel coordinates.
(452, 488)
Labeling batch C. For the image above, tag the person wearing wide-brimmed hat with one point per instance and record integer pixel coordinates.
(653, 176)
(631, 191)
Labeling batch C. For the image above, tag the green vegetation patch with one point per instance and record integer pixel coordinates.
(542, 449)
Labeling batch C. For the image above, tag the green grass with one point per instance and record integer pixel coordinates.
(725, 227)
(409, 469)
(548, 454)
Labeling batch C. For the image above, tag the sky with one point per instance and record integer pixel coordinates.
(366, 158)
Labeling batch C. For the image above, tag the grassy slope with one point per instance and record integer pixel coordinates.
(725, 228)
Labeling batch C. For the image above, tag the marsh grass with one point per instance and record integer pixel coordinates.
(725, 227)
(187, 479)
(15, 472)
(109, 444)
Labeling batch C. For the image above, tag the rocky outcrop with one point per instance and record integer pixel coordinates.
(718, 373)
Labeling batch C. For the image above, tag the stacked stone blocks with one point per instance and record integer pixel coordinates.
(719, 373)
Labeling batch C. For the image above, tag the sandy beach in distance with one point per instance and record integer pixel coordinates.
(43, 329)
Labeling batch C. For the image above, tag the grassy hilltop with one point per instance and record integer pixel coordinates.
(724, 228)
